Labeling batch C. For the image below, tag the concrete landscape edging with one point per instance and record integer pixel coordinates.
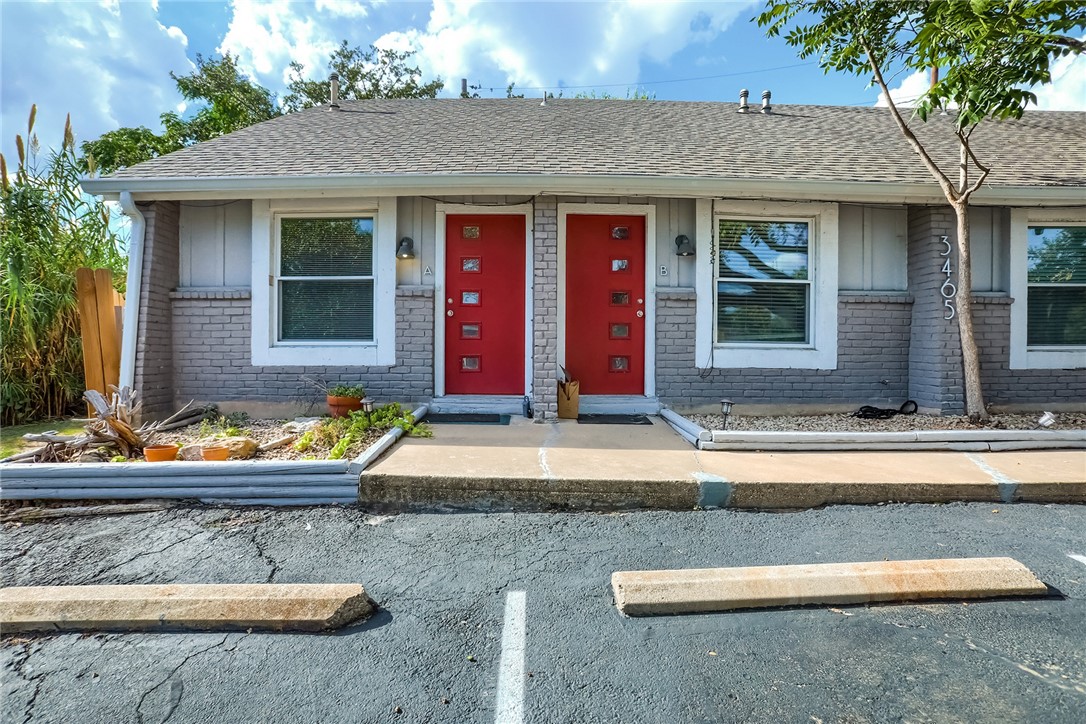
(250, 482)
(649, 593)
(277, 607)
(955, 440)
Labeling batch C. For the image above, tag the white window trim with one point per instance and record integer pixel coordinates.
(821, 352)
(1023, 357)
(264, 349)
(443, 210)
(649, 212)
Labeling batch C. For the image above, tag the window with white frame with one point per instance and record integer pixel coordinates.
(324, 281)
(1048, 289)
(767, 294)
(1056, 286)
(763, 285)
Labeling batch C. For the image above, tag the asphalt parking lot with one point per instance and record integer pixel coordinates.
(491, 617)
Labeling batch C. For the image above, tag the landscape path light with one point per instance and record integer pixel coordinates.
(726, 410)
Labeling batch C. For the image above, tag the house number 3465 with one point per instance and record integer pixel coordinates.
(948, 290)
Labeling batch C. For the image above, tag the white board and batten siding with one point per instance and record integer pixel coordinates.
(873, 249)
(989, 245)
(216, 244)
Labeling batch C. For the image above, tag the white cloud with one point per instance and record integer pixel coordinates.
(108, 64)
(906, 92)
(552, 44)
(1066, 92)
(267, 37)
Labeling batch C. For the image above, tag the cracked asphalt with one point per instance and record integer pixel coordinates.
(432, 653)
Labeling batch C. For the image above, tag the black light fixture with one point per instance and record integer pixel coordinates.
(726, 410)
(683, 245)
(406, 249)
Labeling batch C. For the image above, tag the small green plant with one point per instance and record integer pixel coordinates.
(232, 425)
(345, 436)
(353, 391)
(305, 441)
(118, 459)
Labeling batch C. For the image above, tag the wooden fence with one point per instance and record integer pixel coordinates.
(101, 309)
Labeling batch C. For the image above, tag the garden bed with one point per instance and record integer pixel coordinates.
(324, 471)
(898, 423)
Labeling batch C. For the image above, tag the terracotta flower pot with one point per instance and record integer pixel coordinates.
(215, 453)
(160, 453)
(341, 406)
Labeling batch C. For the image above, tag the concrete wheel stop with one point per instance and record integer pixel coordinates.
(705, 590)
(193, 607)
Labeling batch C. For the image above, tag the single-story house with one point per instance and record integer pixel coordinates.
(466, 251)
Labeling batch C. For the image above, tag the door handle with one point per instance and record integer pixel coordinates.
(449, 313)
(639, 313)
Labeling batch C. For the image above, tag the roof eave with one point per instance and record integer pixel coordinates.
(196, 188)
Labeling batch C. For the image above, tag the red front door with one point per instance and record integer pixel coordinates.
(605, 303)
(484, 304)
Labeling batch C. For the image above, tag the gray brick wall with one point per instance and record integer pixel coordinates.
(545, 310)
(154, 350)
(1004, 386)
(211, 341)
(873, 353)
(935, 361)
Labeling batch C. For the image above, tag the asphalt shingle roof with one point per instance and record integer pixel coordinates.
(661, 139)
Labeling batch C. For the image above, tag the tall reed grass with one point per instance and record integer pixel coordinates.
(48, 229)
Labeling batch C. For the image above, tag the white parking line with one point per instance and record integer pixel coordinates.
(1077, 557)
(509, 706)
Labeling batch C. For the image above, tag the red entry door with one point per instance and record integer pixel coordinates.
(484, 304)
(605, 303)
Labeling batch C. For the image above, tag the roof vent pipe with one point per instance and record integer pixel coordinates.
(766, 108)
(743, 95)
(463, 87)
(333, 81)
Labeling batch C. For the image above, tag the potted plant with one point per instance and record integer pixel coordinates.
(344, 399)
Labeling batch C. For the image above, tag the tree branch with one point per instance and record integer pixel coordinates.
(940, 177)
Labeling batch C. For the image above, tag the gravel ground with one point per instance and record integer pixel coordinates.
(898, 423)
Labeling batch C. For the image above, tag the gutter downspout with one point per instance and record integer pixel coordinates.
(132, 290)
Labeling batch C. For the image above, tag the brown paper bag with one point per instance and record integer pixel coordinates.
(569, 399)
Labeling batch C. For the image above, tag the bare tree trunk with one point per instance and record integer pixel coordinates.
(963, 298)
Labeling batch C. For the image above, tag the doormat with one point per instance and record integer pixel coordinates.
(613, 420)
(466, 418)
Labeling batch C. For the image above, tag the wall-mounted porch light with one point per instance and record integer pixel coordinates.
(683, 245)
(406, 248)
(726, 410)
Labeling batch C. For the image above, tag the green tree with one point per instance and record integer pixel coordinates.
(363, 73)
(225, 99)
(991, 52)
(48, 229)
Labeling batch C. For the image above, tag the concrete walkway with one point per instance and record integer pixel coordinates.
(566, 465)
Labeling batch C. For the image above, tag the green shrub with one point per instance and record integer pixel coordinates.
(48, 229)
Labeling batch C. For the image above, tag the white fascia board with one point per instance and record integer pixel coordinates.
(194, 188)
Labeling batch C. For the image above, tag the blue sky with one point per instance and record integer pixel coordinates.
(108, 63)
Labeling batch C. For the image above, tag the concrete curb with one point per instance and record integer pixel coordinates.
(406, 493)
(274, 607)
(648, 593)
(419, 493)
